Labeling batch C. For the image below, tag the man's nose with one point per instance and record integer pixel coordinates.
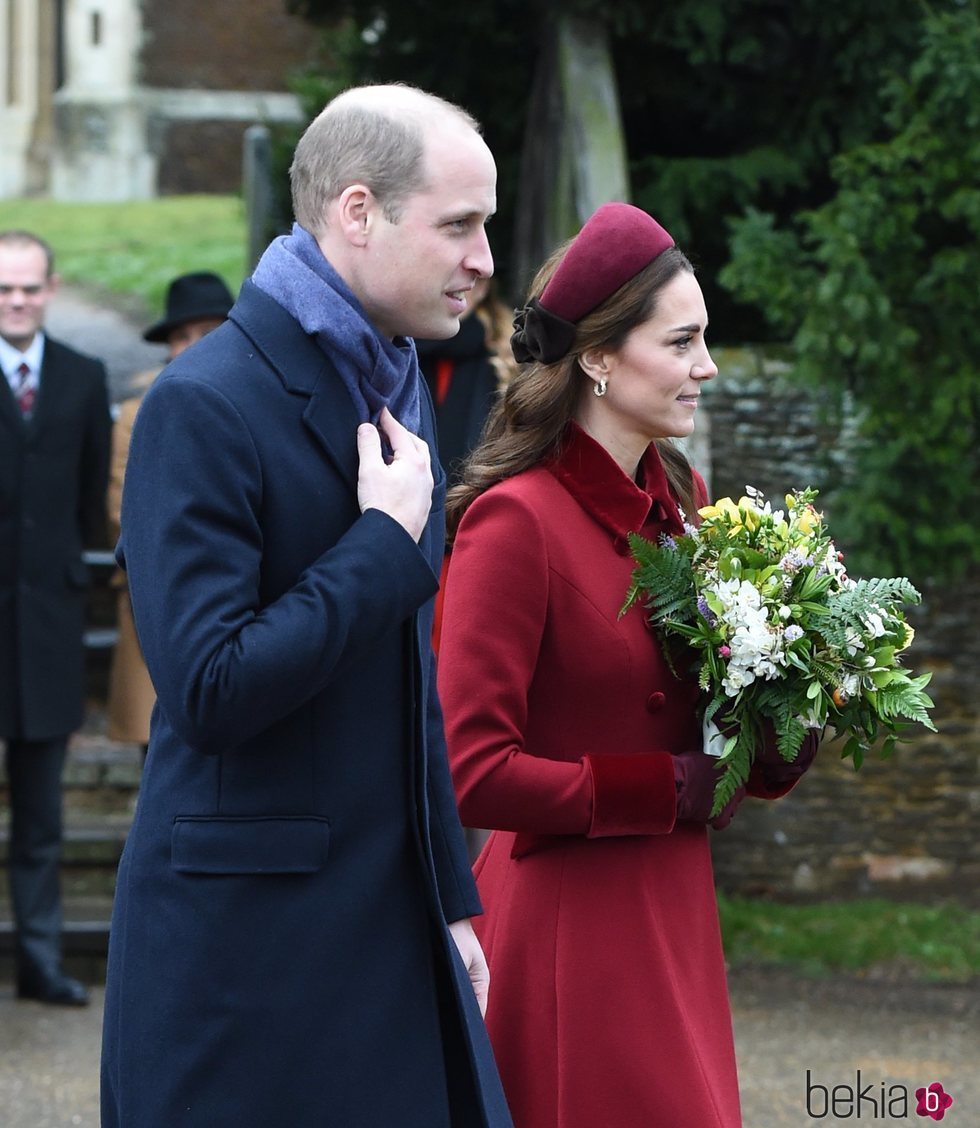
(479, 257)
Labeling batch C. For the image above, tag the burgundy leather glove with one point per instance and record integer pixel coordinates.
(777, 772)
(695, 777)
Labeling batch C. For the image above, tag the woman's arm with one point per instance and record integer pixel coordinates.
(495, 613)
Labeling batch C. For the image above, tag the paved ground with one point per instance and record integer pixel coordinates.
(104, 332)
(900, 1036)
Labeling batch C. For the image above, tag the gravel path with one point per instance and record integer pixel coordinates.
(900, 1036)
(105, 332)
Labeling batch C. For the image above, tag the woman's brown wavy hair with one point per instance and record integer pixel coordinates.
(527, 423)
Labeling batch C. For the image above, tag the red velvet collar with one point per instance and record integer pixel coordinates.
(606, 493)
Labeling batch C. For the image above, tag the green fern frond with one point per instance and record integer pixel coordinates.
(790, 730)
(735, 772)
(665, 576)
(849, 609)
(905, 699)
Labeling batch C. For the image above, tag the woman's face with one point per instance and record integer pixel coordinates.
(654, 379)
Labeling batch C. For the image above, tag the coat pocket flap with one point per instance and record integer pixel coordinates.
(255, 845)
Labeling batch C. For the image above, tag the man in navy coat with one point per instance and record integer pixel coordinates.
(54, 464)
(291, 942)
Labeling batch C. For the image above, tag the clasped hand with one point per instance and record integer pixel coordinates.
(402, 488)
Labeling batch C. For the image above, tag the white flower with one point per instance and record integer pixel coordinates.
(873, 625)
(811, 719)
(735, 680)
(854, 642)
(756, 649)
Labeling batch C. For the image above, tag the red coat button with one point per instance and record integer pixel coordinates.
(621, 545)
(655, 702)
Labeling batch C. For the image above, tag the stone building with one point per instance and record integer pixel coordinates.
(128, 99)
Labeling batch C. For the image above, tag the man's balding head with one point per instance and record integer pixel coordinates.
(370, 135)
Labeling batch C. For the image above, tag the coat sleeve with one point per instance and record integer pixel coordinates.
(225, 665)
(496, 607)
(457, 888)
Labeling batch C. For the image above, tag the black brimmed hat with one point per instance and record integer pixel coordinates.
(191, 297)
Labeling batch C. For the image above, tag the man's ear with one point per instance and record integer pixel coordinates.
(595, 363)
(356, 211)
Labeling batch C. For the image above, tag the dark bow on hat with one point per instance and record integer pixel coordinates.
(540, 335)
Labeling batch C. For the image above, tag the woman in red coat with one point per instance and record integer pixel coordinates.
(568, 734)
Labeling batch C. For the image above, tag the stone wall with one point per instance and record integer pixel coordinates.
(905, 827)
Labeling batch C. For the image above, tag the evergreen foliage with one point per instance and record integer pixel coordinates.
(726, 103)
(877, 288)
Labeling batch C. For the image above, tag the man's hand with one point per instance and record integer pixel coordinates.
(473, 960)
(401, 488)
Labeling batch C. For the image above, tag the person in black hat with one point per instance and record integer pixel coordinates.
(196, 303)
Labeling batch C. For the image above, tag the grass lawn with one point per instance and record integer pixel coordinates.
(132, 250)
(938, 942)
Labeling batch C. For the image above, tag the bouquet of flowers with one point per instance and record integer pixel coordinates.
(782, 639)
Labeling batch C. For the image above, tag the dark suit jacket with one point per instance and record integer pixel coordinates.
(53, 473)
(279, 952)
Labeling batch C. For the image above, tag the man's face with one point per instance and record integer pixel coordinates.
(25, 290)
(417, 272)
(183, 336)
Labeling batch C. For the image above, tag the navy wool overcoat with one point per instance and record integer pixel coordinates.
(279, 954)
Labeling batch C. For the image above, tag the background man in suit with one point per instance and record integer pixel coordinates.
(291, 940)
(54, 461)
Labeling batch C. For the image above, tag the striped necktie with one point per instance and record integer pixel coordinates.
(24, 393)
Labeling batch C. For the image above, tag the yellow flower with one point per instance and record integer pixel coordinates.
(749, 513)
(723, 507)
(808, 520)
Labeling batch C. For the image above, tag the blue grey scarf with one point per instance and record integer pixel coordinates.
(377, 372)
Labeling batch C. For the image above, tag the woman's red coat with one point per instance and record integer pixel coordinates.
(608, 1002)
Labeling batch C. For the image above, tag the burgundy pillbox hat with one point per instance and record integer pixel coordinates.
(615, 244)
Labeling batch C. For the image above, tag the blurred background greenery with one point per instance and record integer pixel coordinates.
(128, 252)
(869, 936)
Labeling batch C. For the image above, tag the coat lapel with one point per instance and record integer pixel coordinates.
(10, 416)
(304, 370)
(330, 415)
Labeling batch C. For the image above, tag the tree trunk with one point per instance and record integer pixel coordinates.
(574, 156)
